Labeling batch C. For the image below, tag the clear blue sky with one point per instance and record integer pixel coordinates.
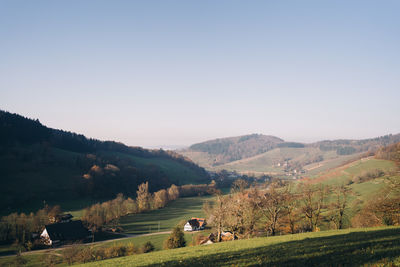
(177, 72)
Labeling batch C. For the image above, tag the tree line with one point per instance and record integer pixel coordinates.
(19, 228)
(23, 229)
(284, 208)
(109, 212)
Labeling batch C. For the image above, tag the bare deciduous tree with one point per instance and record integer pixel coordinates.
(312, 198)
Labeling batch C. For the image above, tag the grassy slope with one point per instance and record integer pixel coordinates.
(200, 158)
(156, 239)
(266, 162)
(176, 211)
(345, 173)
(330, 162)
(36, 260)
(330, 248)
(362, 192)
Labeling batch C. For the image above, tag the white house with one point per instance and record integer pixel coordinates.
(191, 225)
(195, 224)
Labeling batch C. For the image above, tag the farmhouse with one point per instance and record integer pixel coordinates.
(54, 234)
(195, 224)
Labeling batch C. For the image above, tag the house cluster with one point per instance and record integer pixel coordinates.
(64, 230)
(195, 224)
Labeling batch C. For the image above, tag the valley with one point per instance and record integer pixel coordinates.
(83, 176)
(274, 156)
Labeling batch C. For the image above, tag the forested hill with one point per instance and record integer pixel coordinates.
(39, 163)
(235, 148)
(258, 153)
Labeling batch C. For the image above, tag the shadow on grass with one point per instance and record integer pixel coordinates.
(177, 210)
(101, 236)
(8, 252)
(353, 249)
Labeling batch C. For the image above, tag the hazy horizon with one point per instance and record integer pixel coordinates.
(175, 73)
(186, 145)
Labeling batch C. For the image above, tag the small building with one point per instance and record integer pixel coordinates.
(202, 222)
(227, 236)
(210, 239)
(191, 225)
(71, 231)
(195, 224)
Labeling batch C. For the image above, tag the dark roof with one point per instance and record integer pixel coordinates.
(201, 221)
(73, 230)
(194, 223)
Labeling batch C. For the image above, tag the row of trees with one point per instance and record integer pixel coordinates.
(282, 208)
(22, 229)
(109, 212)
(19, 228)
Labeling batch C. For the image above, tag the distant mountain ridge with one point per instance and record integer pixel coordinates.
(39, 163)
(268, 154)
(235, 148)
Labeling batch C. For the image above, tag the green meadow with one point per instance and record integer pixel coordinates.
(345, 174)
(351, 247)
(156, 239)
(164, 219)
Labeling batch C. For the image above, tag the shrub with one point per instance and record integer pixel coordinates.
(19, 260)
(176, 239)
(70, 254)
(50, 260)
(147, 247)
(131, 249)
(100, 254)
(115, 251)
(368, 175)
(365, 219)
(85, 255)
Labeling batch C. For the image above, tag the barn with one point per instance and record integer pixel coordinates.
(64, 232)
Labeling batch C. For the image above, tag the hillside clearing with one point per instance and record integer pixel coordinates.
(166, 218)
(351, 247)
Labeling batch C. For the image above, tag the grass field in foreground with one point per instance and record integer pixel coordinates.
(351, 247)
(36, 260)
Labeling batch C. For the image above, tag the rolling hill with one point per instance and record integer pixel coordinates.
(40, 164)
(350, 247)
(229, 149)
(261, 154)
